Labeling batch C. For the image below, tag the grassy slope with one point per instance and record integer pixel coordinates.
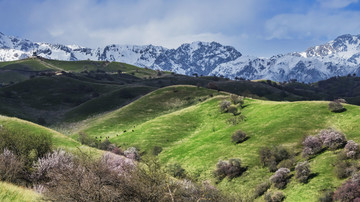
(107, 102)
(9, 192)
(79, 66)
(17, 71)
(47, 94)
(59, 140)
(154, 104)
(198, 136)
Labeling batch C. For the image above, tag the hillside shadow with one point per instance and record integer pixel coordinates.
(243, 140)
(311, 176)
(244, 106)
(320, 152)
(341, 111)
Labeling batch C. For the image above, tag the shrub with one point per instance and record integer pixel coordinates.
(335, 106)
(332, 139)
(156, 150)
(274, 197)
(271, 157)
(351, 149)
(232, 109)
(287, 163)
(176, 170)
(105, 145)
(117, 163)
(261, 189)
(27, 145)
(312, 146)
(96, 181)
(303, 172)
(132, 153)
(340, 100)
(235, 99)
(230, 169)
(224, 105)
(57, 161)
(236, 119)
(11, 167)
(87, 140)
(349, 191)
(344, 169)
(327, 196)
(238, 137)
(280, 178)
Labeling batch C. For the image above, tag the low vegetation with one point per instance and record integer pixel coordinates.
(230, 169)
(183, 127)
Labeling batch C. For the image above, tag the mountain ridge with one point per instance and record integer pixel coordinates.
(338, 57)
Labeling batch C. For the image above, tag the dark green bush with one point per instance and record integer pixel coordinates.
(176, 170)
(232, 109)
(238, 137)
(327, 196)
(87, 140)
(274, 197)
(156, 150)
(287, 163)
(344, 169)
(272, 156)
(261, 189)
(27, 145)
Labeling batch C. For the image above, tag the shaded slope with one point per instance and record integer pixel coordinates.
(154, 104)
(107, 102)
(47, 97)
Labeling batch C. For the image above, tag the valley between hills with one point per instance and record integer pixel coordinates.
(184, 123)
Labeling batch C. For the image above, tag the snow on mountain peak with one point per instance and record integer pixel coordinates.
(338, 57)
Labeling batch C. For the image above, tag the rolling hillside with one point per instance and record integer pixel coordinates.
(146, 109)
(10, 192)
(197, 135)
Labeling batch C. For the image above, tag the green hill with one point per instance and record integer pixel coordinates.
(59, 140)
(9, 192)
(197, 135)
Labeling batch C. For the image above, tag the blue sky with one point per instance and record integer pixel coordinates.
(254, 27)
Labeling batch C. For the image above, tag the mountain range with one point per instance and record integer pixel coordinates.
(336, 58)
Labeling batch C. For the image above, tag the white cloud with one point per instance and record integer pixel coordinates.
(314, 24)
(161, 22)
(257, 27)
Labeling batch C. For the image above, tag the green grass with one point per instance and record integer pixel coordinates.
(197, 135)
(9, 192)
(111, 67)
(59, 140)
(25, 65)
(154, 104)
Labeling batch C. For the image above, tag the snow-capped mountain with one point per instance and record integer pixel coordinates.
(338, 57)
(335, 58)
